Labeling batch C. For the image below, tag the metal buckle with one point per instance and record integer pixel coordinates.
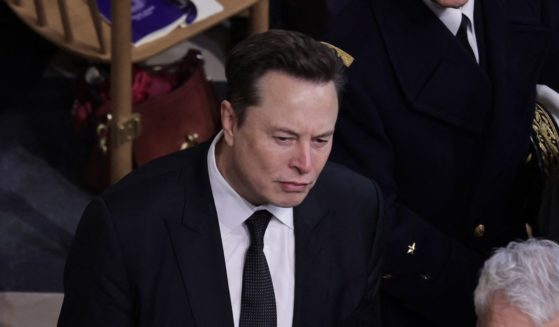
(126, 131)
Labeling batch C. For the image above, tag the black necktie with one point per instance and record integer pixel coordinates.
(462, 35)
(258, 304)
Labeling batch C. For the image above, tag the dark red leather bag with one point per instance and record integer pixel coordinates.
(170, 120)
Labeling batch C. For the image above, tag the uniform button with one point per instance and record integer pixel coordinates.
(425, 277)
(479, 231)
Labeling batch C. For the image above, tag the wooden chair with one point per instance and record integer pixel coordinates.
(75, 25)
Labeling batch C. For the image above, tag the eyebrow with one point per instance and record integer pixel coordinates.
(329, 133)
(287, 131)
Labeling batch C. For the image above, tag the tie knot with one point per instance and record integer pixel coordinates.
(257, 224)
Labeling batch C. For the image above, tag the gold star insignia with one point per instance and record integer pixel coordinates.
(411, 249)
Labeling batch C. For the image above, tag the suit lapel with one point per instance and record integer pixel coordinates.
(312, 262)
(439, 74)
(199, 252)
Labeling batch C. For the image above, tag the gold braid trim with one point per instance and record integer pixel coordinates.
(547, 139)
(344, 56)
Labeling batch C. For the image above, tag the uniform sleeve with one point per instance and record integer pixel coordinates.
(419, 258)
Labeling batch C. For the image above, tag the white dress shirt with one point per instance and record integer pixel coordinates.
(452, 17)
(279, 243)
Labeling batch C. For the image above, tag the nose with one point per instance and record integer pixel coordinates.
(301, 160)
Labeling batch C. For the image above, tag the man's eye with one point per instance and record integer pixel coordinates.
(321, 141)
(283, 139)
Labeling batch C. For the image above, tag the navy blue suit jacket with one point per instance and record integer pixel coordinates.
(148, 252)
(444, 137)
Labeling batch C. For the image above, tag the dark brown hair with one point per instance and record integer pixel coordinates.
(289, 52)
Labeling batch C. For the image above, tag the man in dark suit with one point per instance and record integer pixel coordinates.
(438, 110)
(249, 230)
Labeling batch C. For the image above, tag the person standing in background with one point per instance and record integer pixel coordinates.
(438, 110)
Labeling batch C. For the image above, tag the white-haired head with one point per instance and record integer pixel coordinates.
(526, 274)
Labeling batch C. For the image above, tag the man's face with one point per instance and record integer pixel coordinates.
(503, 314)
(450, 3)
(276, 155)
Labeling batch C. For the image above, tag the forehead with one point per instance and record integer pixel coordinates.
(279, 87)
(501, 313)
(286, 98)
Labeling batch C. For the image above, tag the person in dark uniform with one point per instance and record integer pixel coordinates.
(438, 110)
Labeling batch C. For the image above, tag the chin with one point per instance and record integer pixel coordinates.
(289, 201)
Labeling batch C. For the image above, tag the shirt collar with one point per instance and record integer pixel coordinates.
(232, 209)
(451, 17)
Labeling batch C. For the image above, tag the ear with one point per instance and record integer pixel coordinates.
(228, 121)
